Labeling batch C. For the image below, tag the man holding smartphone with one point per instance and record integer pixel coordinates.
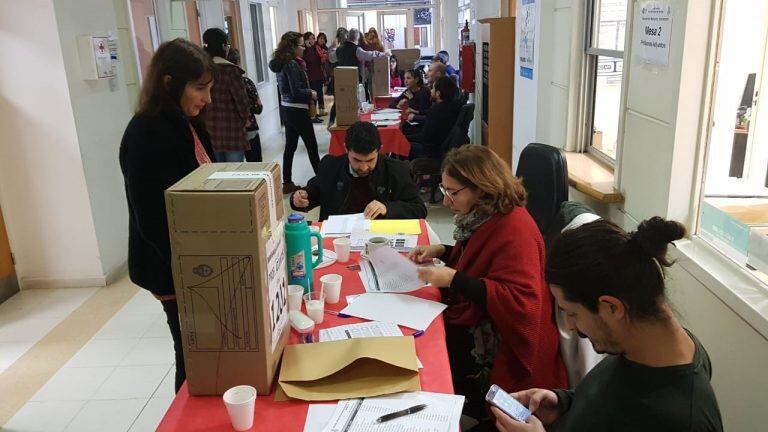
(657, 377)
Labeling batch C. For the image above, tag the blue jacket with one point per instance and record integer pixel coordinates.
(292, 82)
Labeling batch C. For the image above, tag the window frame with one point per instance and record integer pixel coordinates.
(591, 55)
(258, 37)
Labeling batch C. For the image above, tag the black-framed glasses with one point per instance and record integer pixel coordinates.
(449, 194)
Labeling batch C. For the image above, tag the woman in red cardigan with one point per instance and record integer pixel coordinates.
(500, 325)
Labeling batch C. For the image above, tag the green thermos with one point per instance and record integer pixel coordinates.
(299, 251)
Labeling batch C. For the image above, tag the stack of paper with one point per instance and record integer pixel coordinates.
(343, 225)
(388, 111)
(402, 309)
(388, 271)
(442, 413)
(386, 122)
(386, 116)
(362, 330)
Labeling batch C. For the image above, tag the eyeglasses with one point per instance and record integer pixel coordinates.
(449, 194)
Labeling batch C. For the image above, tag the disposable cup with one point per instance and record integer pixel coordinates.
(315, 304)
(240, 402)
(342, 247)
(331, 286)
(295, 294)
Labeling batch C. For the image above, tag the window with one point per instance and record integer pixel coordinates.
(259, 44)
(273, 22)
(604, 64)
(734, 206)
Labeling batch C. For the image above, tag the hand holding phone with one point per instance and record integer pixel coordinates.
(509, 405)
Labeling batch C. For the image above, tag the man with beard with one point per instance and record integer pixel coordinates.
(362, 181)
(610, 284)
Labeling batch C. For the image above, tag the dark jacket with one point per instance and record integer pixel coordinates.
(438, 123)
(292, 82)
(156, 152)
(420, 101)
(314, 64)
(226, 116)
(390, 183)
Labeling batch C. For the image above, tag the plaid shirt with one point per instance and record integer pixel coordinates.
(226, 115)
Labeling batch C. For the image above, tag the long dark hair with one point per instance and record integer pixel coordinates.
(286, 49)
(214, 40)
(183, 62)
(417, 75)
(324, 36)
(600, 258)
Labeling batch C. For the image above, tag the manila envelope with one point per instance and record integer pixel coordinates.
(349, 368)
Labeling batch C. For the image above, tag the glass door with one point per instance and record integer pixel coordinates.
(355, 20)
(393, 29)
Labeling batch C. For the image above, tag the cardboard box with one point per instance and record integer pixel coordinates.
(225, 222)
(407, 58)
(380, 79)
(345, 95)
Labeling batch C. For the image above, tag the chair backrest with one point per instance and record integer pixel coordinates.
(459, 134)
(544, 172)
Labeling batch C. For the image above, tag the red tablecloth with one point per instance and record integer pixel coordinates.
(383, 101)
(392, 139)
(207, 413)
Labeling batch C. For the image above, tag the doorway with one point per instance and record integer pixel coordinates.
(9, 285)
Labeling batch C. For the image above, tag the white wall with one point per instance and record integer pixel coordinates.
(43, 182)
(449, 27)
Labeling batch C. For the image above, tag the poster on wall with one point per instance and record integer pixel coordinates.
(653, 28)
(527, 37)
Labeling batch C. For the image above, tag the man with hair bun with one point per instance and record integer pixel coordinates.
(610, 284)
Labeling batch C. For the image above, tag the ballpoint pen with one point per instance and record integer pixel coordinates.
(401, 413)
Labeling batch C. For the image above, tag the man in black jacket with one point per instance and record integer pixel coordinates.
(362, 181)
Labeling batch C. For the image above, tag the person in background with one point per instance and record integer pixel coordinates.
(314, 59)
(396, 76)
(436, 70)
(295, 97)
(362, 181)
(351, 54)
(322, 44)
(341, 37)
(500, 327)
(373, 41)
(444, 58)
(610, 284)
(164, 141)
(436, 125)
(227, 116)
(255, 108)
(416, 98)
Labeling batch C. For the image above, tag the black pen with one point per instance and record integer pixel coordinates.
(401, 413)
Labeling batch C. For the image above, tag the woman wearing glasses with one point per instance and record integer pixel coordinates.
(499, 321)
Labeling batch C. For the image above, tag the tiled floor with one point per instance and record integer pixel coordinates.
(122, 379)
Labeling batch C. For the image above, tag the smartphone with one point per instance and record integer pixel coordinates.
(509, 405)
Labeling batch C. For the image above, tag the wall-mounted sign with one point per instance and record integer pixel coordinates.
(527, 37)
(653, 30)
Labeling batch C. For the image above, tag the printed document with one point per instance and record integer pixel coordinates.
(388, 271)
(343, 225)
(362, 330)
(402, 309)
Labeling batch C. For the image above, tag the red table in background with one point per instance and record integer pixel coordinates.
(207, 413)
(392, 139)
(384, 101)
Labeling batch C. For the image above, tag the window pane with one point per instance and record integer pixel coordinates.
(344, 4)
(257, 30)
(393, 36)
(607, 105)
(610, 24)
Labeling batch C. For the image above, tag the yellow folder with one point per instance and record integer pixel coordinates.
(350, 368)
(396, 226)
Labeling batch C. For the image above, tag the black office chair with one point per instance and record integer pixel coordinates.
(544, 172)
(426, 171)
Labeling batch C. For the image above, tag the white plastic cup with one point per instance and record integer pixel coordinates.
(331, 287)
(342, 246)
(240, 402)
(315, 304)
(295, 293)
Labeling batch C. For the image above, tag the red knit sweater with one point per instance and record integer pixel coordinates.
(507, 253)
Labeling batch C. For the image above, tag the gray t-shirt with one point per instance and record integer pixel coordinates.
(621, 395)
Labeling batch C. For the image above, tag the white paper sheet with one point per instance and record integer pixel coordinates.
(386, 116)
(442, 413)
(343, 225)
(388, 111)
(401, 309)
(388, 271)
(386, 122)
(363, 330)
(318, 417)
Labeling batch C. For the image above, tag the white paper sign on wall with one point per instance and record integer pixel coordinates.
(653, 28)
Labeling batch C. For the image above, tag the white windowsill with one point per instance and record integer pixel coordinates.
(734, 285)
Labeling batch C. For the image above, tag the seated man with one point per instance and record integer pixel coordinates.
(362, 181)
(427, 141)
(610, 284)
(444, 58)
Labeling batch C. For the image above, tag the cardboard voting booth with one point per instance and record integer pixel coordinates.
(346, 79)
(380, 81)
(407, 57)
(225, 223)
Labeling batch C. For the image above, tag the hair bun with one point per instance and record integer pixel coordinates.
(654, 234)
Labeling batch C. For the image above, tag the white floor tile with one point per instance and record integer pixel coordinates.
(55, 303)
(132, 382)
(73, 384)
(150, 351)
(44, 416)
(167, 388)
(11, 351)
(158, 329)
(102, 352)
(151, 415)
(26, 329)
(142, 303)
(107, 415)
(125, 326)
